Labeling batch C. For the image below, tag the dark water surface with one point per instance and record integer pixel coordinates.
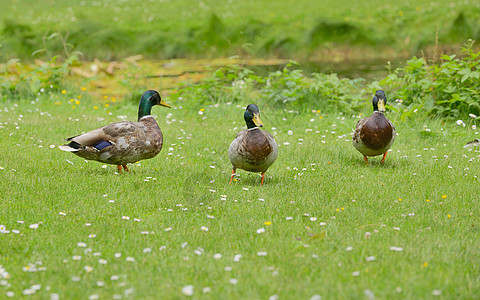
(369, 70)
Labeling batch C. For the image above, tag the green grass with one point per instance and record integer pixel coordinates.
(168, 29)
(319, 173)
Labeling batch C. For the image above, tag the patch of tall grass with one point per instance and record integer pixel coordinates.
(112, 29)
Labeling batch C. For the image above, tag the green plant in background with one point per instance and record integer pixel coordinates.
(288, 87)
(226, 84)
(450, 88)
(285, 86)
(329, 92)
(51, 75)
(25, 81)
(320, 91)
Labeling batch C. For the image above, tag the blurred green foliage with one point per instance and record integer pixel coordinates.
(52, 76)
(112, 29)
(449, 88)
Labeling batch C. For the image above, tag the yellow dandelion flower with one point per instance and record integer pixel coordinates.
(202, 109)
(338, 209)
(343, 208)
(83, 88)
(425, 264)
(71, 100)
(268, 223)
(320, 117)
(95, 107)
(113, 99)
(318, 111)
(79, 96)
(399, 199)
(64, 92)
(105, 97)
(444, 196)
(77, 102)
(448, 216)
(428, 200)
(107, 105)
(73, 106)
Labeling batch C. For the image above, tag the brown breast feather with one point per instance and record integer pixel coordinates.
(257, 147)
(377, 132)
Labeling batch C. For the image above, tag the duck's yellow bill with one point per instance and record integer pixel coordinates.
(163, 103)
(381, 105)
(257, 121)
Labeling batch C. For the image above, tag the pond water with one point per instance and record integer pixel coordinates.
(369, 70)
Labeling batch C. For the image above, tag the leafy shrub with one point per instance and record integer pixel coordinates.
(48, 75)
(321, 91)
(449, 89)
(227, 84)
(329, 92)
(283, 88)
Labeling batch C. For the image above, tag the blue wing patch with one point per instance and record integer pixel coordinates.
(102, 144)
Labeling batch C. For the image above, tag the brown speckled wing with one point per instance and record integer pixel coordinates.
(358, 127)
(119, 129)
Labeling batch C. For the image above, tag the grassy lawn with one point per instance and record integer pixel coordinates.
(323, 224)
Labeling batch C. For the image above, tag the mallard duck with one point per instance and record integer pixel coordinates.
(374, 135)
(122, 142)
(253, 150)
(474, 143)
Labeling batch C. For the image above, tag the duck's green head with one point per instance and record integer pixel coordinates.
(252, 116)
(149, 99)
(379, 101)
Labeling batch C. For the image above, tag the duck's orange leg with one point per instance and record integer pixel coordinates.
(384, 156)
(119, 167)
(366, 159)
(263, 178)
(125, 168)
(233, 174)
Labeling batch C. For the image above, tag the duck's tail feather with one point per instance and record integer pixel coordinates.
(473, 143)
(71, 147)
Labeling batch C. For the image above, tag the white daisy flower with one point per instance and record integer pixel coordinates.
(188, 289)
